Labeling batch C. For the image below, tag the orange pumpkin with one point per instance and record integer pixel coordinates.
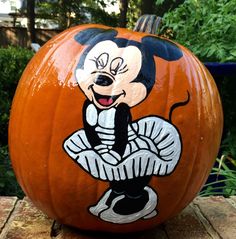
(113, 130)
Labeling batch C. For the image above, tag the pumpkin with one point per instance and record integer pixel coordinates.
(113, 130)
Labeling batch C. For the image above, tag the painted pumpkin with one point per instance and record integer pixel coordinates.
(113, 130)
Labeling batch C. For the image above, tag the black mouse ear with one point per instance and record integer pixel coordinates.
(162, 48)
(87, 36)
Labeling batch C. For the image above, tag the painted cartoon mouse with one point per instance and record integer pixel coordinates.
(116, 74)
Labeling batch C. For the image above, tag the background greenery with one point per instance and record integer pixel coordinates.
(208, 28)
(83, 12)
(12, 63)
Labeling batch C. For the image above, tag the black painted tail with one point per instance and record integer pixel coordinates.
(176, 105)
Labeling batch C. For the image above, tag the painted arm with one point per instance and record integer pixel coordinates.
(122, 119)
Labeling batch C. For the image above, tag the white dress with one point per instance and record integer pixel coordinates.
(153, 148)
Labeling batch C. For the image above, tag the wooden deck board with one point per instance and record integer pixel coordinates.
(204, 218)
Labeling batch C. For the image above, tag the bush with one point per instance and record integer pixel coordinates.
(12, 63)
(8, 183)
(205, 27)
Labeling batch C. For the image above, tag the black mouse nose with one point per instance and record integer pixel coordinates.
(103, 80)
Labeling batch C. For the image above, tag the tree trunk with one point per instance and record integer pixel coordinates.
(123, 13)
(31, 20)
(63, 22)
(147, 7)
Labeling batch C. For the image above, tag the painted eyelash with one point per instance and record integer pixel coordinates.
(119, 66)
(99, 61)
(123, 70)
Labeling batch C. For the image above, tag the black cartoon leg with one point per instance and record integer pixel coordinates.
(135, 196)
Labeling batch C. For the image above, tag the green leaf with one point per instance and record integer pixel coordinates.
(233, 52)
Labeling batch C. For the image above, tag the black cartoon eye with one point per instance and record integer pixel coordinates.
(101, 61)
(117, 66)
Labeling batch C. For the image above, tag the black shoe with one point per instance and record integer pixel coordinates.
(129, 205)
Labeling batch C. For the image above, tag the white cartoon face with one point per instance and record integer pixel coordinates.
(107, 78)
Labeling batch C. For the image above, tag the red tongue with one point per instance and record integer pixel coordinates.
(106, 102)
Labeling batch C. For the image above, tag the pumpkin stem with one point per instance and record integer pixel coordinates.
(148, 23)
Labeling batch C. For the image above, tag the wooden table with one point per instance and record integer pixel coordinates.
(204, 218)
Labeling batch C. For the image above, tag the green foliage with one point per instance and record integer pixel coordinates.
(99, 15)
(225, 174)
(8, 183)
(159, 2)
(205, 27)
(12, 63)
(69, 13)
(133, 13)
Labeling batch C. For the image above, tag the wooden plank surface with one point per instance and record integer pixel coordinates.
(7, 205)
(185, 224)
(69, 233)
(204, 218)
(220, 213)
(27, 222)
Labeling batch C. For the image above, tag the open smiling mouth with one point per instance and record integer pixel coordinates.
(106, 100)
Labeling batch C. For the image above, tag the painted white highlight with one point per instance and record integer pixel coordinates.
(106, 136)
(100, 147)
(91, 115)
(101, 206)
(108, 214)
(108, 142)
(76, 143)
(151, 215)
(105, 131)
(111, 158)
(106, 118)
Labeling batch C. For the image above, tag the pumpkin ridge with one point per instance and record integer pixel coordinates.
(206, 86)
(49, 153)
(68, 76)
(189, 176)
(19, 169)
(50, 53)
(167, 110)
(58, 100)
(18, 95)
(209, 91)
